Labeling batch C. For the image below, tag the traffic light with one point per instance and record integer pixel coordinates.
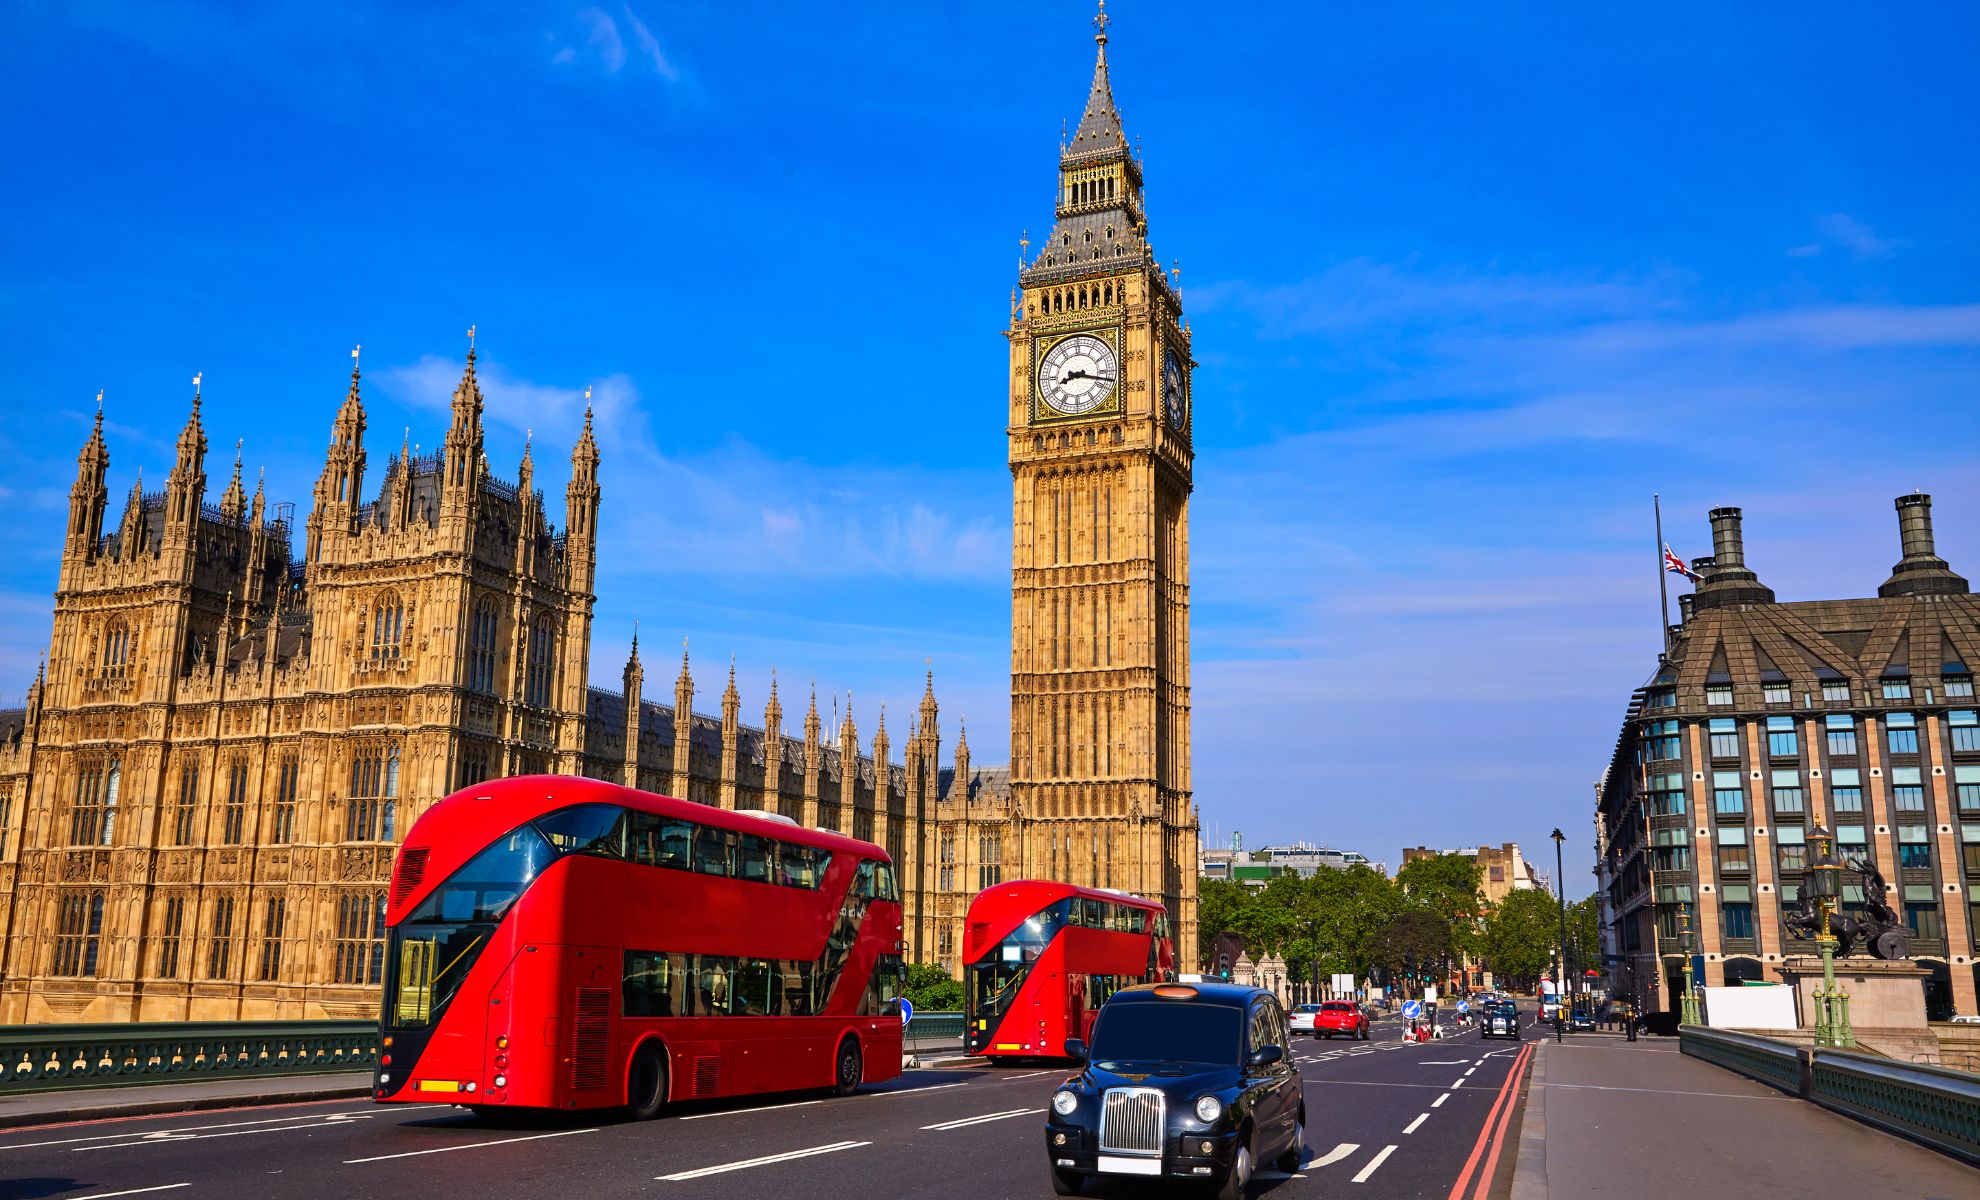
(1224, 966)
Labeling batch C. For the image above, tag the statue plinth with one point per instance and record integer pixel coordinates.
(1886, 1002)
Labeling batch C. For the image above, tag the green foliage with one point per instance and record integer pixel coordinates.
(1448, 885)
(1520, 937)
(1218, 903)
(930, 988)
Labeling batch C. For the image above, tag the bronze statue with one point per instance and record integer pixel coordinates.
(1877, 924)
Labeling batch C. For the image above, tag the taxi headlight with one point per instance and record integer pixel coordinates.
(1208, 1109)
(1063, 1103)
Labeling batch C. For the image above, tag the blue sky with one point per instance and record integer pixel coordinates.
(1468, 284)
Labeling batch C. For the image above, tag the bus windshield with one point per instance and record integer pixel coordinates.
(435, 947)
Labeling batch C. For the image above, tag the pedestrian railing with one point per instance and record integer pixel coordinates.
(1933, 1105)
(935, 1026)
(48, 1057)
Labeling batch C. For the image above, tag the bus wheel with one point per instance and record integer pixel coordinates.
(846, 1078)
(646, 1083)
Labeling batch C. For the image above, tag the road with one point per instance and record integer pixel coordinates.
(1385, 1119)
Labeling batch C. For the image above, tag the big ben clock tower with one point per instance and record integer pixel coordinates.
(1100, 457)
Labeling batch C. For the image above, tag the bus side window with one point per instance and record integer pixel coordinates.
(714, 851)
(675, 837)
(883, 883)
(863, 881)
(643, 838)
(794, 980)
(753, 988)
(755, 859)
(650, 983)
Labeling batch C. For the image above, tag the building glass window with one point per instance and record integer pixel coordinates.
(1896, 687)
(360, 946)
(78, 935)
(1842, 735)
(946, 864)
(182, 821)
(1725, 737)
(542, 668)
(1719, 694)
(1921, 912)
(1663, 739)
(233, 818)
(1667, 795)
(1670, 849)
(271, 940)
(1853, 842)
(1733, 851)
(388, 621)
(171, 925)
(1965, 723)
(1728, 793)
(1846, 789)
(1791, 841)
(1782, 740)
(282, 828)
(1914, 847)
(1966, 786)
(1787, 792)
(1662, 697)
(1736, 903)
(93, 814)
(481, 652)
(1901, 730)
(1777, 691)
(989, 859)
(221, 952)
(1958, 687)
(1907, 789)
(1969, 844)
(1835, 689)
(371, 809)
(116, 650)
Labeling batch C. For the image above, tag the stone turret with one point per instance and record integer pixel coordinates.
(1921, 572)
(1727, 579)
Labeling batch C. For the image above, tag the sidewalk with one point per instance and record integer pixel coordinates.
(1606, 1117)
(146, 1099)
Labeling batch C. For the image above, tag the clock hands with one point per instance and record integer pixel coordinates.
(1072, 375)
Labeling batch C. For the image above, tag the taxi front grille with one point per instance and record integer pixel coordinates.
(1131, 1121)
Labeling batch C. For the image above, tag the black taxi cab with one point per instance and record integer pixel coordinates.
(1183, 1081)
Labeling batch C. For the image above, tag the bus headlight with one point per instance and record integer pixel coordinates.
(1208, 1109)
(501, 1081)
(1064, 1102)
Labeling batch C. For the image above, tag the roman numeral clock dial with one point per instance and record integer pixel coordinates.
(1078, 375)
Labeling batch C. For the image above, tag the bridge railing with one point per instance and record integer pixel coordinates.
(1929, 1104)
(48, 1057)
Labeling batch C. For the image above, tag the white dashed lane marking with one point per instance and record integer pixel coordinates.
(1439, 1101)
(1411, 1127)
(767, 1159)
(1374, 1164)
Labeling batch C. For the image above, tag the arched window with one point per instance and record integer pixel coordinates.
(78, 935)
(542, 666)
(116, 650)
(360, 947)
(111, 784)
(481, 649)
(371, 810)
(388, 618)
(86, 824)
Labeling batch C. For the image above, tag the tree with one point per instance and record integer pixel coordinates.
(1218, 905)
(1416, 941)
(930, 988)
(1584, 923)
(1448, 885)
(1521, 936)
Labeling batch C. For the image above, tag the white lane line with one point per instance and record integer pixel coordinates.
(1459, 1083)
(184, 1131)
(1443, 1062)
(1467, 1074)
(1335, 1155)
(1028, 1075)
(163, 1187)
(730, 1112)
(913, 1091)
(534, 1137)
(995, 1116)
(1411, 1128)
(766, 1160)
(1439, 1101)
(1378, 1160)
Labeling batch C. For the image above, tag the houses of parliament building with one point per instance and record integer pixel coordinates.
(239, 717)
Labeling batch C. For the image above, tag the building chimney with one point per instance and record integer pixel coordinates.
(1921, 572)
(1728, 580)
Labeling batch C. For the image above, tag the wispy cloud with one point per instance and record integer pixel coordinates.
(608, 45)
(1842, 231)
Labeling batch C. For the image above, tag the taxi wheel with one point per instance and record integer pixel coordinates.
(1289, 1161)
(1240, 1172)
(1066, 1183)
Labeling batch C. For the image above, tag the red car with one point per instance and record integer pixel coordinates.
(1340, 1016)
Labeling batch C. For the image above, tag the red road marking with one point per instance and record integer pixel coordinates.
(1500, 1106)
(1498, 1135)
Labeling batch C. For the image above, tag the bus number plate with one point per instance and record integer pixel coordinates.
(439, 1085)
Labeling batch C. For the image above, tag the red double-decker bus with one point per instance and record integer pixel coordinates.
(564, 943)
(1041, 958)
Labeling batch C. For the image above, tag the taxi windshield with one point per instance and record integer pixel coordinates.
(1163, 1031)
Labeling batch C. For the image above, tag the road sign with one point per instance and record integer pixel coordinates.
(1430, 993)
(1412, 1010)
(907, 1011)
(1464, 1006)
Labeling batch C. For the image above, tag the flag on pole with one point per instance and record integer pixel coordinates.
(1677, 565)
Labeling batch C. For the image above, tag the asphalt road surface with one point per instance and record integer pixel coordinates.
(1384, 1119)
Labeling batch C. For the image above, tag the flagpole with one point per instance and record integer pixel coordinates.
(1663, 582)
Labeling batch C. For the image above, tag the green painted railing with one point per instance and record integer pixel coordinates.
(47, 1057)
(1933, 1105)
(931, 1026)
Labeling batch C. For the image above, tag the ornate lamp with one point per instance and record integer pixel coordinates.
(1685, 939)
(1823, 880)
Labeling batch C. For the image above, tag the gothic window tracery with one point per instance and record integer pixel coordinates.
(116, 650)
(481, 653)
(388, 618)
(360, 947)
(78, 935)
(371, 809)
(542, 668)
(93, 812)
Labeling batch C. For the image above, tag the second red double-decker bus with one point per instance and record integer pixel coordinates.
(1040, 958)
(563, 943)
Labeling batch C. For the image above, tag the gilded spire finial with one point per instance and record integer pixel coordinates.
(99, 406)
(470, 341)
(1100, 24)
(196, 378)
(354, 356)
(237, 457)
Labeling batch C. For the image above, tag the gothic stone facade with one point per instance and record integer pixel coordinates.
(1765, 720)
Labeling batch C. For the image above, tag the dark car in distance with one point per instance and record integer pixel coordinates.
(1498, 1018)
(1183, 1081)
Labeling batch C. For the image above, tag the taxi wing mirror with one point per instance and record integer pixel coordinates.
(1076, 1050)
(1265, 1056)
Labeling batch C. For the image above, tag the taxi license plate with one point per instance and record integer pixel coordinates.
(1129, 1166)
(439, 1085)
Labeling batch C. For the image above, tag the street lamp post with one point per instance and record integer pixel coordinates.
(1823, 881)
(1560, 898)
(1690, 1001)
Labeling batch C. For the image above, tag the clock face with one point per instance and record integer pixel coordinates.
(1078, 375)
(1172, 388)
